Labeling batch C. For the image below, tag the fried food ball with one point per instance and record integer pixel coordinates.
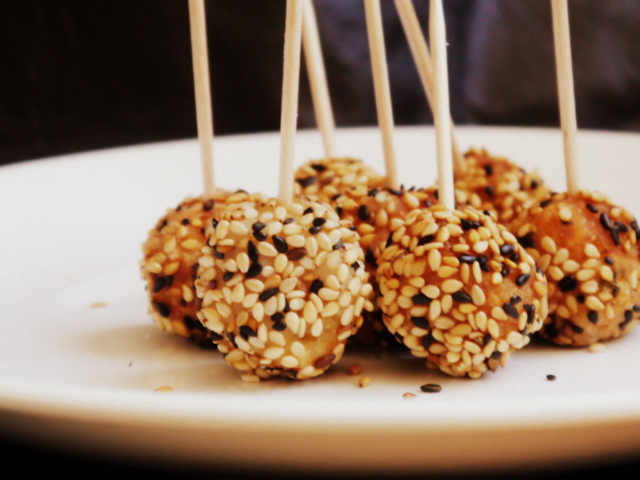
(458, 290)
(281, 288)
(169, 265)
(587, 246)
(322, 180)
(498, 186)
(375, 212)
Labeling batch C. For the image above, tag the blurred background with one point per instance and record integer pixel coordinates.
(78, 75)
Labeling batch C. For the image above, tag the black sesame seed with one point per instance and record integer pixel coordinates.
(279, 326)
(252, 251)
(389, 240)
(615, 291)
(370, 258)
(215, 337)
(339, 244)
(634, 224)
(208, 205)
(277, 317)
(505, 270)
(314, 230)
(307, 211)
(510, 310)
(336, 196)
(567, 283)
(465, 258)
(461, 297)
(373, 192)
(162, 309)
(316, 285)
(534, 184)
(507, 249)
(185, 221)
(420, 322)
(546, 203)
(531, 312)
(318, 167)
(486, 339)
(324, 361)
(576, 328)
(522, 279)
(592, 316)
(306, 182)
(426, 239)
(260, 236)
(496, 355)
(339, 212)
(217, 254)
(489, 190)
(551, 378)
(214, 222)
(363, 213)
(628, 315)
(469, 224)
(421, 299)
(615, 236)
(527, 241)
(254, 270)
(246, 332)
(158, 284)
(580, 298)
(515, 299)
(296, 253)
(431, 388)
(592, 208)
(227, 276)
(636, 308)
(267, 294)
(608, 260)
(288, 221)
(280, 244)
(622, 227)
(605, 221)
(257, 226)
(488, 169)
(319, 221)
(395, 192)
(232, 338)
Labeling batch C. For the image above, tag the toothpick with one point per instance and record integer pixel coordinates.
(441, 115)
(290, 88)
(204, 114)
(381, 87)
(318, 79)
(566, 96)
(422, 59)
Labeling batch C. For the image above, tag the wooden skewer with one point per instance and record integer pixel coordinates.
(441, 115)
(204, 114)
(290, 88)
(566, 96)
(381, 87)
(422, 59)
(318, 79)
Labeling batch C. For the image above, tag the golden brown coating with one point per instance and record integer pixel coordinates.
(171, 254)
(374, 212)
(323, 179)
(587, 246)
(281, 288)
(499, 186)
(458, 290)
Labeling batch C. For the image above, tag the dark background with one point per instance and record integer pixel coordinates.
(79, 75)
(86, 74)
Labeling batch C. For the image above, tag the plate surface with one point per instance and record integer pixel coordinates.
(81, 362)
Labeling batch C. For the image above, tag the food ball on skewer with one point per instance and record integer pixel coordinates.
(499, 186)
(458, 290)
(281, 288)
(587, 246)
(171, 254)
(324, 179)
(375, 212)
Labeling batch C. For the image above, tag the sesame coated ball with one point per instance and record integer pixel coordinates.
(587, 246)
(498, 186)
(458, 290)
(281, 287)
(171, 254)
(323, 179)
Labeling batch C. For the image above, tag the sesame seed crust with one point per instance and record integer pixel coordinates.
(374, 211)
(171, 252)
(468, 317)
(323, 180)
(499, 186)
(587, 246)
(287, 310)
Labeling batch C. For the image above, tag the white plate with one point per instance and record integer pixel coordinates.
(84, 378)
